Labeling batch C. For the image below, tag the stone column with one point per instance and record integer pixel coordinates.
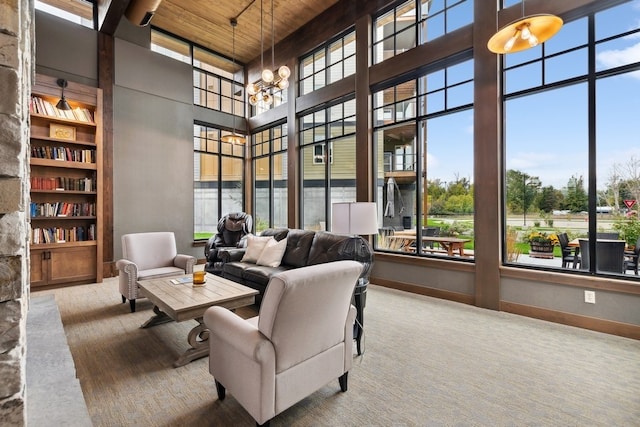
(16, 63)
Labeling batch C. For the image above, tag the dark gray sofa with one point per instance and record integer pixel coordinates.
(304, 247)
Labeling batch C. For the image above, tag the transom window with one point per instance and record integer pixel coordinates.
(167, 45)
(78, 11)
(328, 64)
(416, 22)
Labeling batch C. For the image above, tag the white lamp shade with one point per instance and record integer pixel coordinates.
(354, 218)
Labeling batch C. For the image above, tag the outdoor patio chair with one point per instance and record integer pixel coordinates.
(569, 255)
(429, 232)
(613, 235)
(609, 256)
(631, 261)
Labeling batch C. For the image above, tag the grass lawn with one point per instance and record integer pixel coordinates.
(202, 236)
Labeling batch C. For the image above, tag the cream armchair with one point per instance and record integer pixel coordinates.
(301, 340)
(146, 256)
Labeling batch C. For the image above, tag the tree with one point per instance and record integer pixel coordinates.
(630, 173)
(460, 204)
(576, 199)
(522, 190)
(460, 187)
(550, 199)
(612, 193)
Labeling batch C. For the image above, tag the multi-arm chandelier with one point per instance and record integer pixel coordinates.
(262, 90)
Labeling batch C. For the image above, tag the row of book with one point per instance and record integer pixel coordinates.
(62, 183)
(58, 209)
(62, 235)
(63, 153)
(38, 105)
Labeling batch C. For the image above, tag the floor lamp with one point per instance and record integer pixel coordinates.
(357, 219)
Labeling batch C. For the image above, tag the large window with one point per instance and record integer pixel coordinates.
(423, 136)
(215, 85)
(329, 179)
(278, 97)
(270, 175)
(218, 184)
(571, 176)
(217, 92)
(416, 22)
(328, 64)
(217, 81)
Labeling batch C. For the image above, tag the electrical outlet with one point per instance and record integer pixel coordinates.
(590, 297)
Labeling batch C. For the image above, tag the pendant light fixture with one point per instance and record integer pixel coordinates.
(233, 138)
(525, 33)
(62, 104)
(262, 91)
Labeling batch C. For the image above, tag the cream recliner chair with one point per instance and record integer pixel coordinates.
(301, 340)
(147, 256)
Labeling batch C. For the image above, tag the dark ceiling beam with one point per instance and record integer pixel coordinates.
(109, 14)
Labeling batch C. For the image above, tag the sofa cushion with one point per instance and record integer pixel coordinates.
(235, 269)
(298, 247)
(326, 247)
(255, 245)
(260, 274)
(272, 253)
(277, 233)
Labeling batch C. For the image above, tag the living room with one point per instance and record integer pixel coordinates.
(149, 175)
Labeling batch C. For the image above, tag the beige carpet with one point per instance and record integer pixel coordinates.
(428, 362)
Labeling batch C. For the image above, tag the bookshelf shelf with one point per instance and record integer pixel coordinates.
(61, 218)
(62, 164)
(86, 243)
(36, 116)
(49, 139)
(66, 178)
(62, 192)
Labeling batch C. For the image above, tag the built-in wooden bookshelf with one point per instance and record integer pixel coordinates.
(66, 185)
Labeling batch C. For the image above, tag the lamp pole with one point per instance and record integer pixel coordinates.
(526, 182)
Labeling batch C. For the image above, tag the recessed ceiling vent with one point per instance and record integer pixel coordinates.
(140, 12)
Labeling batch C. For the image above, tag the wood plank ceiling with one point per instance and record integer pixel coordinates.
(207, 22)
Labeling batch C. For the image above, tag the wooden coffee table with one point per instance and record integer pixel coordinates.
(186, 301)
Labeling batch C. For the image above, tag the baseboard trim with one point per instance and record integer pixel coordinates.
(424, 290)
(585, 322)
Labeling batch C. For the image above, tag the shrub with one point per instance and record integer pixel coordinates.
(629, 229)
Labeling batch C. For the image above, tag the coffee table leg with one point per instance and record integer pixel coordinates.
(199, 341)
(159, 318)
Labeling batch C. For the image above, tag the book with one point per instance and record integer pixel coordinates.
(182, 280)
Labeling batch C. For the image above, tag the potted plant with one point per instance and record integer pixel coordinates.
(541, 244)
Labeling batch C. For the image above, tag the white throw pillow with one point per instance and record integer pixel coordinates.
(255, 245)
(272, 253)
